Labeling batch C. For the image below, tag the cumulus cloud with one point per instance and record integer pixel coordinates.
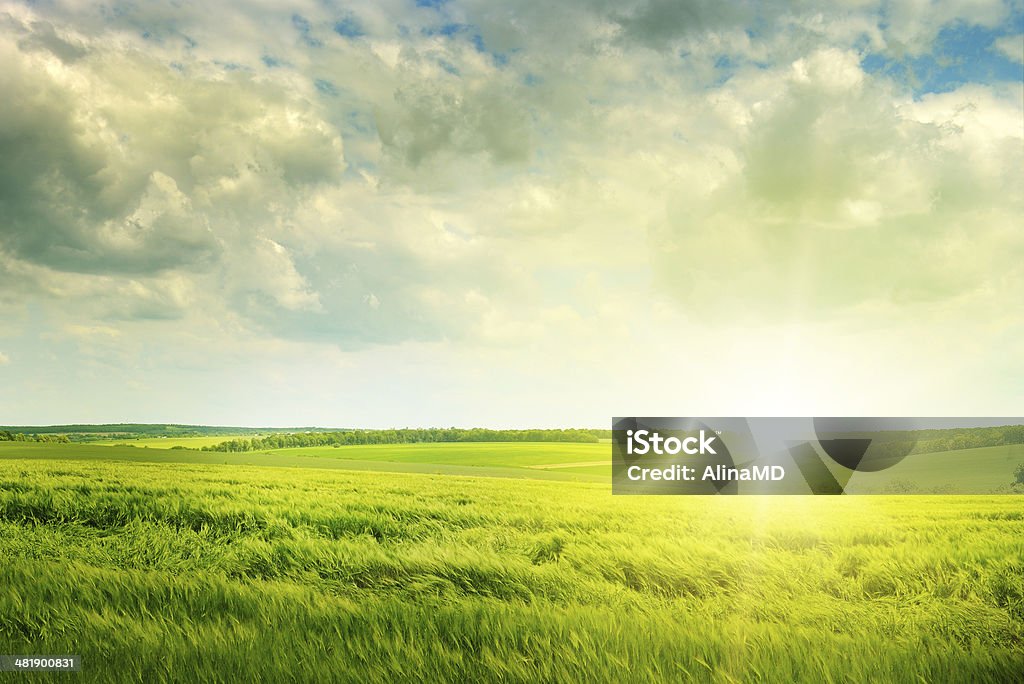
(155, 168)
(843, 194)
(4, 359)
(120, 164)
(481, 175)
(659, 23)
(428, 122)
(1012, 47)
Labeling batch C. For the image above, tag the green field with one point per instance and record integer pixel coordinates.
(157, 570)
(513, 465)
(978, 471)
(515, 454)
(981, 470)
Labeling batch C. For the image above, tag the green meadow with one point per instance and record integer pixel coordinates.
(427, 563)
(504, 454)
(981, 470)
(517, 461)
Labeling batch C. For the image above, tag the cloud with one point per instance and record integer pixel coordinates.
(498, 180)
(266, 277)
(659, 23)
(119, 164)
(156, 176)
(841, 194)
(1011, 47)
(4, 359)
(431, 122)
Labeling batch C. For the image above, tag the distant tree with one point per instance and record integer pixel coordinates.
(1019, 475)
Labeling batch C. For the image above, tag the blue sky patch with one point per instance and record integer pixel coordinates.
(961, 54)
(326, 87)
(305, 30)
(349, 27)
(451, 29)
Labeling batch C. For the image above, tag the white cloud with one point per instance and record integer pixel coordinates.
(265, 270)
(501, 183)
(1012, 47)
(846, 194)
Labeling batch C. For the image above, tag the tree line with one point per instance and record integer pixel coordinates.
(8, 436)
(906, 442)
(406, 436)
(932, 441)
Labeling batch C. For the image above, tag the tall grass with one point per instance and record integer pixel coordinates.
(160, 572)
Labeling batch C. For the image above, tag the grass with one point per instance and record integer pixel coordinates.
(210, 572)
(596, 470)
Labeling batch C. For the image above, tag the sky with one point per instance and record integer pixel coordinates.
(392, 213)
